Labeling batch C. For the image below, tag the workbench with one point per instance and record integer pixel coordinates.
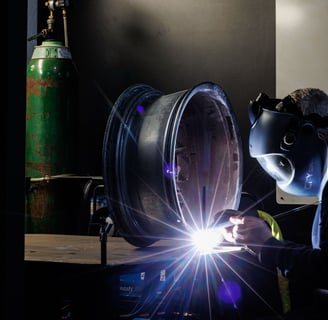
(66, 276)
(87, 250)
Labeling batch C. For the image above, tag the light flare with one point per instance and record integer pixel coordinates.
(196, 260)
(207, 240)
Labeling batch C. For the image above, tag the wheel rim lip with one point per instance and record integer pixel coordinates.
(215, 93)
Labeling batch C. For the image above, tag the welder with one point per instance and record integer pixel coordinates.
(289, 139)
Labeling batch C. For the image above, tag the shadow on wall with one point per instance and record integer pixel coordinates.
(170, 47)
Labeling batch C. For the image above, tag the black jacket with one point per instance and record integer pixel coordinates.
(305, 267)
(301, 262)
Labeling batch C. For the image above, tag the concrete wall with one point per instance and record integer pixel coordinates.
(301, 55)
(301, 45)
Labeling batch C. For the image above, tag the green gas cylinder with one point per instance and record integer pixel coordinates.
(51, 107)
(51, 124)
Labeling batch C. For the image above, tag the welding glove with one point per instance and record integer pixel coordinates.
(251, 231)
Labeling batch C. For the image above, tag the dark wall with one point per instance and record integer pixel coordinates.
(12, 204)
(172, 46)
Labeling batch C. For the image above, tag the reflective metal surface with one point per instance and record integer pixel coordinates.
(170, 162)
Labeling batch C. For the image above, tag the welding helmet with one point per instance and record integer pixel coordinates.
(286, 145)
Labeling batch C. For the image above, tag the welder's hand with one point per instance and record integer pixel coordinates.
(222, 220)
(248, 230)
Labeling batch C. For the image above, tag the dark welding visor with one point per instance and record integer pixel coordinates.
(261, 102)
(278, 137)
(273, 133)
